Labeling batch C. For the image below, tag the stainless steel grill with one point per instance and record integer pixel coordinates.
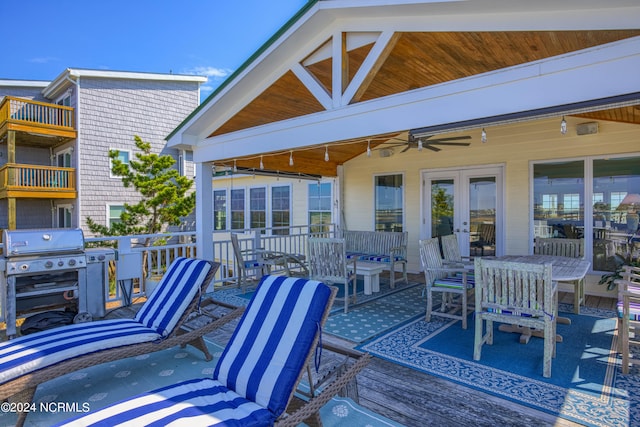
(46, 269)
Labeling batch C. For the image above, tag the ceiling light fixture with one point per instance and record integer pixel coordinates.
(291, 158)
(420, 144)
(483, 136)
(563, 126)
(368, 148)
(235, 168)
(326, 153)
(261, 164)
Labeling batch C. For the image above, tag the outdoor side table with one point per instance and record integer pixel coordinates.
(371, 273)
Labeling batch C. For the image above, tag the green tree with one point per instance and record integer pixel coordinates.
(166, 196)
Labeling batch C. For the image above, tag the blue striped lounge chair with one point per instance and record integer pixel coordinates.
(257, 373)
(29, 360)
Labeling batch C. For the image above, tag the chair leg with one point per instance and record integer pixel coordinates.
(624, 343)
(429, 305)
(478, 339)
(464, 310)
(549, 340)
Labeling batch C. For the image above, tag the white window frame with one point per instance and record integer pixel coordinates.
(67, 207)
(120, 150)
(404, 197)
(108, 213)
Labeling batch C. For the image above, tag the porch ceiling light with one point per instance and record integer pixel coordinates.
(326, 153)
(368, 148)
(291, 158)
(563, 126)
(483, 136)
(261, 164)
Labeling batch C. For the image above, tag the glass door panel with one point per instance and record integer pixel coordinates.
(466, 203)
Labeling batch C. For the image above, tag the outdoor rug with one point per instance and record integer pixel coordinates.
(586, 387)
(98, 386)
(377, 315)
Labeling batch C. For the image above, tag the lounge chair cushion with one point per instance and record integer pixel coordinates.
(268, 349)
(256, 373)
(199, 402)
(173, 294)
(28, 353)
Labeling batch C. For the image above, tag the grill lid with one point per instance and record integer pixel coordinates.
(42, 241)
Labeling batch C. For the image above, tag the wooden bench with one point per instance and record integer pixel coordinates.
(387, 247)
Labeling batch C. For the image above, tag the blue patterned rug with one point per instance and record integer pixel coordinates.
(376, 316)
(373, 314)
(587, 385)
(96, 387)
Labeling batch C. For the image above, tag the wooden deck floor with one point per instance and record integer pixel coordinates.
(415, 399)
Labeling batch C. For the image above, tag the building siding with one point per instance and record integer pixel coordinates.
(112, 112)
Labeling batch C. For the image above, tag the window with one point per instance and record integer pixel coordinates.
(123, 156)
(280, 209)
(319, 207)
(389, 213)
(114, 214)
(64, 216)
(237, 209)
(220, 209)
(258, 207)
(609, 225)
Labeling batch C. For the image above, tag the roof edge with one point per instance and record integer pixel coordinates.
(294, 19)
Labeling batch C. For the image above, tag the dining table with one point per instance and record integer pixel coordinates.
(563, 269)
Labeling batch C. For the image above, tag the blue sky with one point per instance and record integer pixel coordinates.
(41, 38)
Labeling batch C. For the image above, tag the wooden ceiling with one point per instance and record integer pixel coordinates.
(413, 60)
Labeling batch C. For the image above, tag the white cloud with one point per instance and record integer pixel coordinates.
(43, 60)
(211, 72)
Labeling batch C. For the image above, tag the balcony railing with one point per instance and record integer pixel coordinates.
(39, 117)
(34, 181)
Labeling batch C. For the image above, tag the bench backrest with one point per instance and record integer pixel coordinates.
(573, 248)
(374, 242)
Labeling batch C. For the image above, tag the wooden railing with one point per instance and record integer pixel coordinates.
(34, 178)
(24, 111)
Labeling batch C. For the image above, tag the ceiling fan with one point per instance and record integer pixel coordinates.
(429, 142)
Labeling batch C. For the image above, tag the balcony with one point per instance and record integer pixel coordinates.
(36, 123)
(33, 181)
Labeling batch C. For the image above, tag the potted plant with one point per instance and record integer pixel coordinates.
(618, 262)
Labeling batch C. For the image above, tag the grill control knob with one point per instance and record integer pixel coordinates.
(60, 263)
(48, 264)
(24, 267)
(72, 262)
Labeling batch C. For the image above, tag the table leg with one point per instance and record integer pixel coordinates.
(526, 332)
(375, 282)
(367, 284)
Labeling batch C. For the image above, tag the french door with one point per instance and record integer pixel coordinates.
(468, 203)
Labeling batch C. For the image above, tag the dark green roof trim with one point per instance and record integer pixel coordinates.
(248, 62)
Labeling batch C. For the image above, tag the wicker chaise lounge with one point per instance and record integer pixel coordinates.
(30, 360)
(256, 375)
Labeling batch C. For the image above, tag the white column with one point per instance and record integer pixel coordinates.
(204, 211)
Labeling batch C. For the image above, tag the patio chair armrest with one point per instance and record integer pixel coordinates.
(341, 377)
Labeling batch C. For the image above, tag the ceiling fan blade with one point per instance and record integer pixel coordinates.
(432, 148)
(406, 148)
(459, 144)
(452, 138)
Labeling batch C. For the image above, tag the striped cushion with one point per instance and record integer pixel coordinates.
(32, 352)
(454, 282)
(256, 373)
(201, 402)
(634, 311)
(354, 255)
(268, 349)
(173, 294)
